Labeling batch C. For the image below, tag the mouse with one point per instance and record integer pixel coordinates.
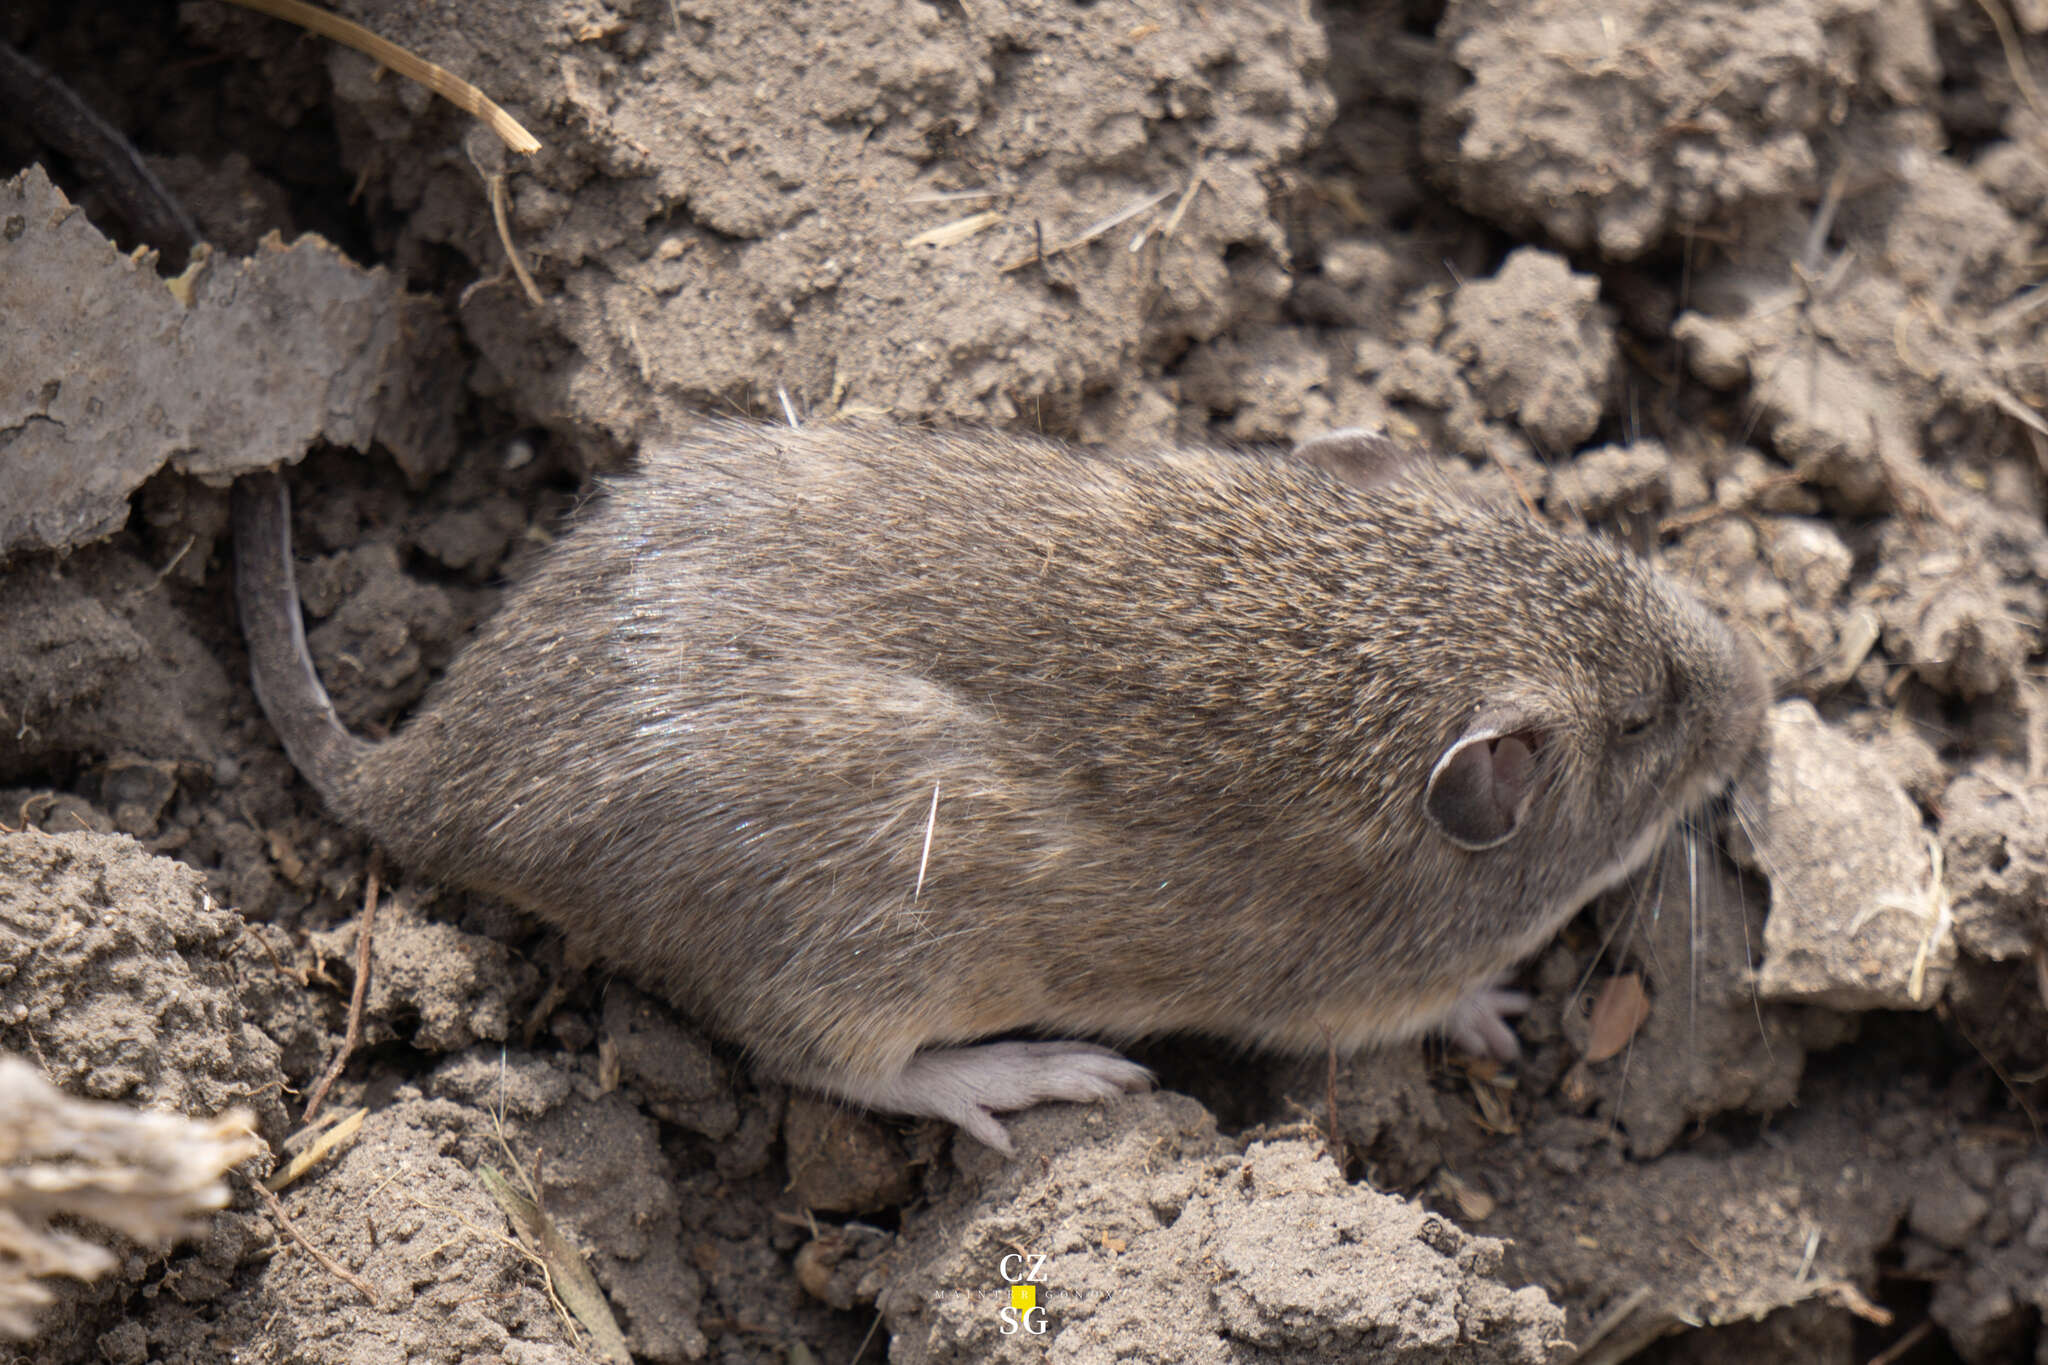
(873, 749)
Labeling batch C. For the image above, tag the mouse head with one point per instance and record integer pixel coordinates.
(1653, 706)
(1569, 703)
(1613, 703)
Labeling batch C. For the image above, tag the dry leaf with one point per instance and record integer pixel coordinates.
(573, 1282)
(1474, 1204)
(1622, 1008)
(1494, 1114)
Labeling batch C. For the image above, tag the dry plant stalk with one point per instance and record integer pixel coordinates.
(438, 79)
(305, 1244)
(354, 1033)
(149, 1176)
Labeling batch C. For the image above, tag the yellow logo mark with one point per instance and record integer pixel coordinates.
(1023, 1297)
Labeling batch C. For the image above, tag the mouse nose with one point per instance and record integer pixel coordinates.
(1734, 732)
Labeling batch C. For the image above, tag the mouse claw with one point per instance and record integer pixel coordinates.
(1479, 1023)
(969, 1086)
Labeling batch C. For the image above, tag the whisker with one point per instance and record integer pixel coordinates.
(1628, 1059)
(1647, 913)
(1600, 952)
(1693, 933)
(1651, 892)
(1744, 815)
(931, 823)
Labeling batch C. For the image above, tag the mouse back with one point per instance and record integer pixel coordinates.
(1444, 711)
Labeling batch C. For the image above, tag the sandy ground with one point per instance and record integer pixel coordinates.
(1756, 288)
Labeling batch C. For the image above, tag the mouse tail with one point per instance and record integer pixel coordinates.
(287, 687)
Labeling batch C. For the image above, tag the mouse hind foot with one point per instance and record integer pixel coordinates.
(969, 1086)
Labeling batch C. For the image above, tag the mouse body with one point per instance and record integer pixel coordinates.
(864, 745)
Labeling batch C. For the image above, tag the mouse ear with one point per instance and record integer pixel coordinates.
(1480, 788)
(1365, 457)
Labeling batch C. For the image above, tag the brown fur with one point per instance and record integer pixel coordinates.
(1180, 710)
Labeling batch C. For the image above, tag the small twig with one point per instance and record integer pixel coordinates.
(176, 559)
(2018, 411)
(2012, 1088)
(289, 973)
(354, 1034)
(1847, 1296)
(321, 1258)
(1172, 225)
(1617, 1312)
(1920, 1332)
(1515, 482)
(497, 185)
(2013, 311)
(1806, 1257)
(1705, 512)
(950, 196)
(1816, 242)
(1091, 232)
(862, 1349)
(440, 80)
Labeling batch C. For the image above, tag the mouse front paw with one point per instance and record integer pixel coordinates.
(1479, 1022)
(969, 1086)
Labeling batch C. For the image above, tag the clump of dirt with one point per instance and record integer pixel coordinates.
(1624, 128)
(123, 979)
(733, 201)
(1759, 290)
(1112, 1207)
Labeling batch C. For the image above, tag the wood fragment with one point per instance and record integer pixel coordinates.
(1180, 210)
(1493, 1113)
(955, 232)
(1474, 1204)
(336, 1136)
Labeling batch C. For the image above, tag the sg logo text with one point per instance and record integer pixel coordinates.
(1022, 1313)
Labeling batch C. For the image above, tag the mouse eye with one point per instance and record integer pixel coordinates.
(1637, 716)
